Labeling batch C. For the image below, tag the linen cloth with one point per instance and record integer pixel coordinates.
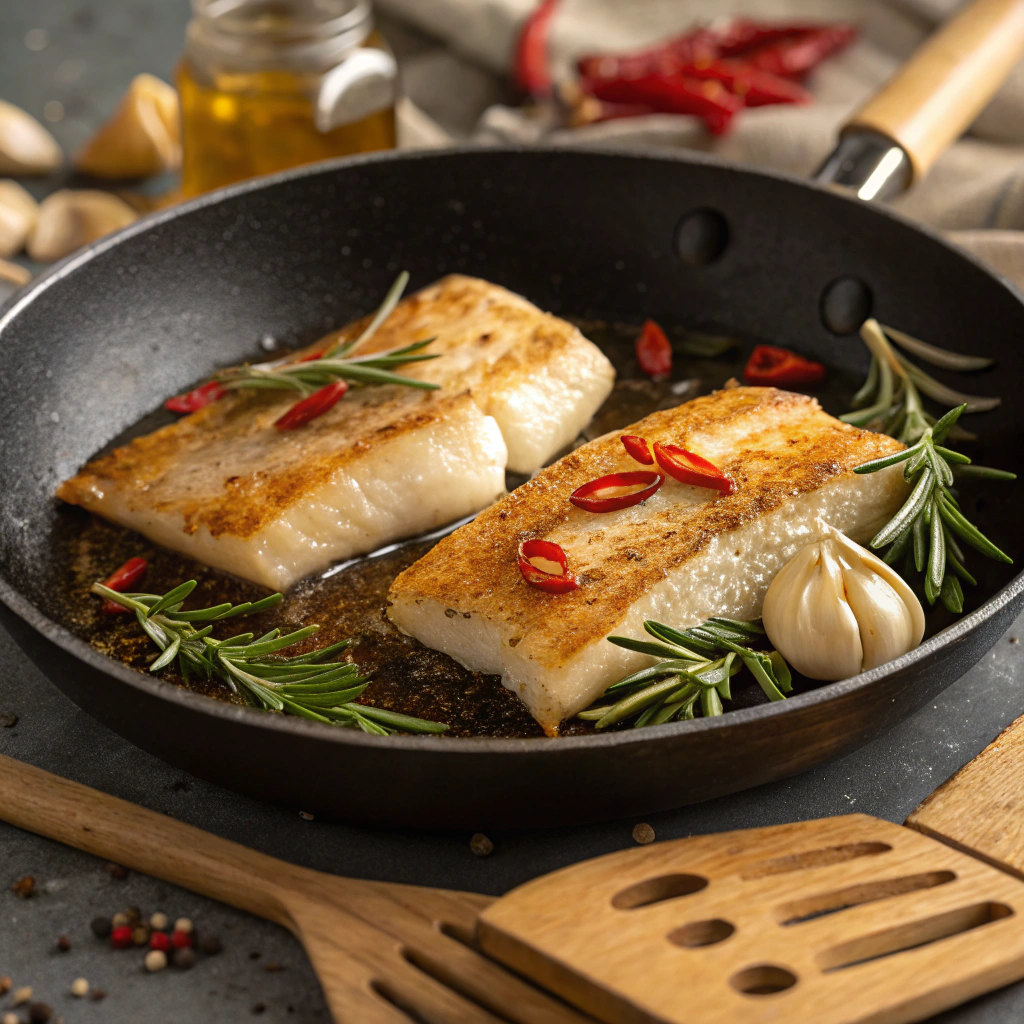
(975, 191)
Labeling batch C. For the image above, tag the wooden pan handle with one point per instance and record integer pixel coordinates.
(935, 97)
(146, 841)
(981, 809)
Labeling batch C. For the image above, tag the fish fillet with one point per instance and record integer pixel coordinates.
(226, 488)
(681, 557)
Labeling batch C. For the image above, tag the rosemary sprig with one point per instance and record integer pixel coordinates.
(305, 685)
(929, 526)
(694, 673)
(337, 363)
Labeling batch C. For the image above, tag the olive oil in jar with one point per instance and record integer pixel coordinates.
(270, 84)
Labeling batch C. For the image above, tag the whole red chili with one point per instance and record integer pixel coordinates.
(755, 87)
(637, 448)
(126, 577)
(689, 468)
(772, 366)
(312, 406)
(180, 939)
(589, 498)
(161, 941)
(196, 399)
(797, 55)
(653, 351)
(121, 937)
(531, 64)
(548, 551)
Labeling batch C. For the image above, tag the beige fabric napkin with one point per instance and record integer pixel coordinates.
(976, 190)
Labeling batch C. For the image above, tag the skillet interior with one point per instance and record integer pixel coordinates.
(103, 339)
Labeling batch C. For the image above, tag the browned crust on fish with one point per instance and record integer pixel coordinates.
(476, 569)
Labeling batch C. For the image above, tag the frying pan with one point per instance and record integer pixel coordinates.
(103, 338)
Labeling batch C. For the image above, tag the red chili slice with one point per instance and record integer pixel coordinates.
(313, 406)
(311, 357)
(196, 399)
(637, 448)
(127, 577)
(689, 468)
(588, 497)
(531, 65)
(550, 582)
(778, 367)
(653, 351)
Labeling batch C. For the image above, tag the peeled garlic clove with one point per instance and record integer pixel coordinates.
(18, 211)
(143, 138)
(70, 219)
(835, 609)
(26, 147)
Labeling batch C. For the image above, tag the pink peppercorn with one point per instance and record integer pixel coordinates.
(180, 940)
(121, 937)
(161, 941)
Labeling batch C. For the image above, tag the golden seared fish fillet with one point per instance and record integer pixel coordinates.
(684, 555)
(225, 487)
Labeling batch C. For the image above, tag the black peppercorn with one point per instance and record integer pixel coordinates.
(39, 1013)
(101, 927)
(183, 958)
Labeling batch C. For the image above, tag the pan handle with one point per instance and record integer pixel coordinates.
(893, 140)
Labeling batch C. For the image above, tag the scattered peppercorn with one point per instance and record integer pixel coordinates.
(80, 988)
(97, 994)
(5, 985)
(134, 915)
(10, 1018)
(643, 833)
(179, 940)
(258, 1008)
(24, 887)
(39, 1013)
(121, 936)
(140, 935)
(8, 720)
(116, 871)
(119, 920)
(63, 944)
(481, 845)
(22, 995)
(183, 924)
(210, 945)
(159, 922)
(272, 966)
(160, 940)
(255, 956)
(156, 960)
(183, 958)
(101, 927)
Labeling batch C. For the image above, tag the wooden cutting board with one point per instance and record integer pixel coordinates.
(836, 921)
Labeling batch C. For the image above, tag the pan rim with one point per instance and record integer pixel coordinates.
(67, 641)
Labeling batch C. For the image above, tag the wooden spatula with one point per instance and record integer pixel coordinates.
(385, 954)
(835, 921)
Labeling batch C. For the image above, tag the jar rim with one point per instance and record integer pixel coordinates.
(229, 18)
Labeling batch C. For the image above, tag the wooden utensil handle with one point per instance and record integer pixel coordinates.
(146, 841)
(981, 808)
(936, 96)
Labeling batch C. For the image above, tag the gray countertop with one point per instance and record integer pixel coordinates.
(80, 55)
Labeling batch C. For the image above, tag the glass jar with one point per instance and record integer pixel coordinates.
(270, 84)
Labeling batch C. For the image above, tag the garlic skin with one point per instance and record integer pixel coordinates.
(18, 212)
(835, 610)
(26, 147)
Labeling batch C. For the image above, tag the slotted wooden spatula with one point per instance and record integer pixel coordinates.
(835, 921)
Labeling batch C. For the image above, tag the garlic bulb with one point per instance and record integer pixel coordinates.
(142, 138)
(70, 219)
(26, 147)
(18, 211)
(835, 609)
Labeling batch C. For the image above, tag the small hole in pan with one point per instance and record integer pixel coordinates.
(701, 237)
(762, 980)
(845, 304)
(701, 933)
(656, 890)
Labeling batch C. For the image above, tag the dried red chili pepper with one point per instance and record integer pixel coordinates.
(756, 88)
(548, 551)
(532, 68)
(778, 367)
(196, 399)
(126, 577)
(311, 357)
(637, 448)
(794, 57)
(312, 406)
(698, 45)
(653, 351)
(689, 468)
(588, 497)
(741, 35)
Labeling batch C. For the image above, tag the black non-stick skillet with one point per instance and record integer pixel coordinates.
(104, 337)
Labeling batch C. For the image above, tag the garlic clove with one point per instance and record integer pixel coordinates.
(14, 272)
(18, 212)
(26, 147)
(70, 219)
(141, 139)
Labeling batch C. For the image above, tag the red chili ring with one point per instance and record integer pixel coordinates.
(582, 496)
(549, 582)
(637, 448)
(126, 577)
(688, 468)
